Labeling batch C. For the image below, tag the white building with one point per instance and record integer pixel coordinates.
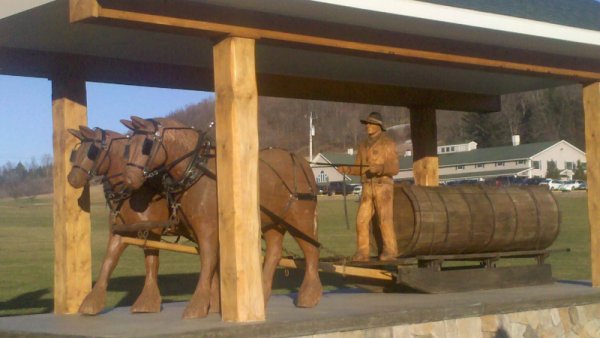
(523, 160)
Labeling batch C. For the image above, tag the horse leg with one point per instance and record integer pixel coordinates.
(149, 300)
(94, 301)
(311, 288)
(274, 244)
(215, 293)
(208, 241)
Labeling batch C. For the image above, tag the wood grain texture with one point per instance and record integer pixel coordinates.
(82, 9)
(134, 16)
(236, 115)
(72, 245)
(591, 107)
(461, 280)
(423, 131)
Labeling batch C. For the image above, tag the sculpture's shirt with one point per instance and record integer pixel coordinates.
(380, 150)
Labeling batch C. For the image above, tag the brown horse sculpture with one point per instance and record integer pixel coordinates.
(287, 201)
(101, 153)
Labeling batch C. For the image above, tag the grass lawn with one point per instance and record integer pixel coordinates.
(26, 245)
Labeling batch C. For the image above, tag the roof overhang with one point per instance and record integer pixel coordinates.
(386, 52)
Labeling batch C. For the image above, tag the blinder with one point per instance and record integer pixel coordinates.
(93, 152)
(147, 147)
(126, 152)
(74, 151)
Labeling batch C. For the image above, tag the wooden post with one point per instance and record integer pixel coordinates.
(72, 245)
(423, 131)
(591, 107)
(237, 170)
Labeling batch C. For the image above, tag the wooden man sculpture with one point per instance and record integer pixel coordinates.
(376, 163)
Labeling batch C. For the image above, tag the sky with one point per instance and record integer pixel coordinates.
(26, 112)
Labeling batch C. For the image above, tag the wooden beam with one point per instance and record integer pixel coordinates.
(591, 107)
(423, 131)
(368, 93)
(44, 64)
(166, 19)
(344, 270)
(72, 245)
(236, 115)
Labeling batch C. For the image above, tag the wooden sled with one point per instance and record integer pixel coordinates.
(422, 273)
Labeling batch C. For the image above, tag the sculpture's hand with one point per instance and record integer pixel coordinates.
(376, 169)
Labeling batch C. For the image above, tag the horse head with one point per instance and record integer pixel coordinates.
(157, 146)
(97, 154)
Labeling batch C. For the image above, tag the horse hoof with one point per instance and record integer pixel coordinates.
(309, 296)
(93, 303)
(146, 306)
(194, 313)
(149, 301)
(197, 308)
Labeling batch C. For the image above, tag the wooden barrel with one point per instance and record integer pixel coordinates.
(474, 219)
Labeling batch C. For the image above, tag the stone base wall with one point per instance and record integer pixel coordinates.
(575, 321)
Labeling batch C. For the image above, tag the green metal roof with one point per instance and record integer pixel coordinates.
(482, 155)
(339, 158)
(575, 13)
(495, 154)
(492, 173)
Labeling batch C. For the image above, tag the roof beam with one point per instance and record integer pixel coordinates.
(46, 64)
(149, 15)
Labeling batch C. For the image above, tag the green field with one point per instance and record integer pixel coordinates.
(26, 247)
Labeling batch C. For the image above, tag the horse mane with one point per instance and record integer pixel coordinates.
(175, 137)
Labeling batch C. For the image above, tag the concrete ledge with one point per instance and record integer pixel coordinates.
(338, 312)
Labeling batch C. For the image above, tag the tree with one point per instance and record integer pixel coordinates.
(488, 130)
(552, 171)
(579, 173)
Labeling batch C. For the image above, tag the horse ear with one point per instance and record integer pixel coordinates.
(142, 124)
(87, 132)
(128, 124)
(76, 133)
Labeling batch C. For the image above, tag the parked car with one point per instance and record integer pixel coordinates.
(579, 183)
(567, 186)
(534, 181)
(553, 184)
(582, 186)
(337, 188)
(357, 190)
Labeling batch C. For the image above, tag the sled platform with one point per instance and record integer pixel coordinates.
(426, 273)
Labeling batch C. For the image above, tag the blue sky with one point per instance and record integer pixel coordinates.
(26, 112)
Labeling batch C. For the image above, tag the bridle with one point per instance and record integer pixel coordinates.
(93, 153)
(153, 143)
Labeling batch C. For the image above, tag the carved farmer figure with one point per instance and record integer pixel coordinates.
(376, 163)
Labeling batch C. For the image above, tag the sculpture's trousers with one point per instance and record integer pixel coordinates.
(376, 198)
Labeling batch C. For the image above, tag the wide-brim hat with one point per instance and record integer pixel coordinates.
(374, 118)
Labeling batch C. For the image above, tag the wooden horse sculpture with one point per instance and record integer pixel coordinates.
(101, 153)
(287, 200)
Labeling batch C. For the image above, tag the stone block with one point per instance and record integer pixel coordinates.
(401, 331)
(565, 318)
(517, 330)
(490, 323)
(451, 328)
(469, 327)
(593, 328)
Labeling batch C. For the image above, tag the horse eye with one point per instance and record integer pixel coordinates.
(93, 152)
(147, 147)
(126, 153)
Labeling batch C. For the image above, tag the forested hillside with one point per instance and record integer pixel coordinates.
(536, 116)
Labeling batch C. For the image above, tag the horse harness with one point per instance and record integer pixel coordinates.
(93, 153)
(173, 189)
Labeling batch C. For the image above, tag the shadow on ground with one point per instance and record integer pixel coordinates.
(182, 285)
